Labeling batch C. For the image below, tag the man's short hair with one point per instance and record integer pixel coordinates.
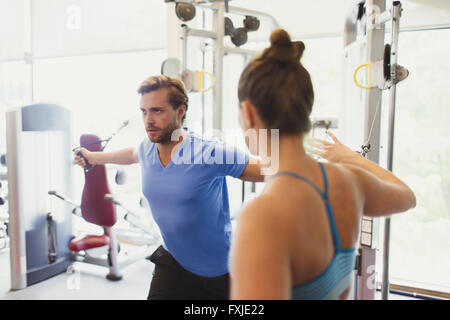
(177, 92)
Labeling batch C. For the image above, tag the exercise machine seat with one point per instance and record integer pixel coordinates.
(89, 242)
(94, 208)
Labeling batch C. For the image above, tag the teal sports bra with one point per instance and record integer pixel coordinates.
(338, 276)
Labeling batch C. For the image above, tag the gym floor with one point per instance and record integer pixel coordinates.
(89, 283)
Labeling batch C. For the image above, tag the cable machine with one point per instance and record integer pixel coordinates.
(176, 64)
(365, 48)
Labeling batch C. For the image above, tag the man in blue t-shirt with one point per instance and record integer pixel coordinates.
(183, 180)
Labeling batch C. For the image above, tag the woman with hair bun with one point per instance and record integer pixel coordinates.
(297, 240)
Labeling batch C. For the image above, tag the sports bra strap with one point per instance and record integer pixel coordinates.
(295, 175)
(325, 181)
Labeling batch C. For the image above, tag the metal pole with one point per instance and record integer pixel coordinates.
(396, 12)
(183, 37)
(374, 52)
(219, 28)
(374, 44)
(203, 68)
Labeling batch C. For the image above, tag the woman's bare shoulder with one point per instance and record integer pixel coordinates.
(263, 206)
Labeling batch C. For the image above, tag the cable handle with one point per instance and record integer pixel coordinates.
(88, 166)
(51, 234)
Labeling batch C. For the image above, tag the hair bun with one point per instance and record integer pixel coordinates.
(282, 49)
(280, 38)
(300, 47)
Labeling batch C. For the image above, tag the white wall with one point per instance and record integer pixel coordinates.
(74, 27)
(12, 29)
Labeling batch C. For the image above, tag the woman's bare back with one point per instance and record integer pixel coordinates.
(303, 211)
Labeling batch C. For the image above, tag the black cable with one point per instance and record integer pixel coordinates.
(88, 166)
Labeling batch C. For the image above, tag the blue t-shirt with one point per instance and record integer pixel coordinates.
(189, 200)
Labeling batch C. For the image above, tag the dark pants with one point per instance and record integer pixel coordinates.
(172, 282)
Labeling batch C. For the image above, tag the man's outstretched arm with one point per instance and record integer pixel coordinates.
(252, 171)
(124, 156)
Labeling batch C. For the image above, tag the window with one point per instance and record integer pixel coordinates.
(420, 246)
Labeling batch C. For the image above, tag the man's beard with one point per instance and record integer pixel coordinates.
(165, 135)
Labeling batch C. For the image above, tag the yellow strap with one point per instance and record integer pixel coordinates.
(370, 75)
(200, 80)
